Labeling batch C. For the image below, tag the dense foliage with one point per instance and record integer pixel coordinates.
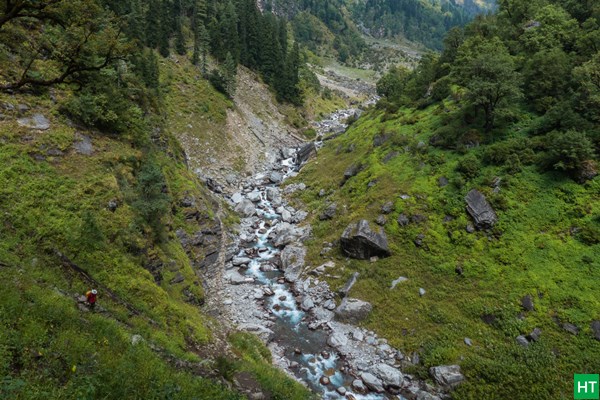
(529, 68)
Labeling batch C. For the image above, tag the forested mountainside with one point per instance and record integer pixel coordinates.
(422, 21)
(481, 167)
(338, 25)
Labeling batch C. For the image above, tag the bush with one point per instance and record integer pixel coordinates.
(503, 152)
(469, 166)
(567, 151)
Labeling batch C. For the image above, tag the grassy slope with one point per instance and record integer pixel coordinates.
(48, 347)
(534, 255)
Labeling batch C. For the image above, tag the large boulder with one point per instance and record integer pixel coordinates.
(389, 375)
(285, 233)
(447, 375)
(360, 242)
(372, 382)
(480, 210)
(352, 310)
(37, 121)
(245, 208)
(305, 153)
(292, 262)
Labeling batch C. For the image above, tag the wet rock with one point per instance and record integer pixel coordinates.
(37, 121)
(341, 390)
(572, 329)
(447, 375)
(329, 212)
(337, 339)
(397, 281)
(372, 382)
(360, 242)
(359, 386)
(403, 220)
(246, 208)
(352, 310)
(480, 210)
(344, 290)
(235, 278)
(324, 381)
(389, 375)
(527, 303)
(329, 305)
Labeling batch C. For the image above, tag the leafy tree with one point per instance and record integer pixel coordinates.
(58, 42)
(547, 76)
(588, 78)
(488, 72)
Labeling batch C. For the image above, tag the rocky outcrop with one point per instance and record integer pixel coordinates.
(389, 375)
(352, 310)
(36, 121)
(305, 153)
(292, 262)
(480, 210)
(447, 375)
(360, 242)
(246, 208)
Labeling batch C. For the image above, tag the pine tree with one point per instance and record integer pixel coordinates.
(179, 39)
(153, 24)
(230, 74)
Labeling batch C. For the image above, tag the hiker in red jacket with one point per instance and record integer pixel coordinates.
(91, 297)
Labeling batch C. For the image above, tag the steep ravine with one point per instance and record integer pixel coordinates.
(259, 286)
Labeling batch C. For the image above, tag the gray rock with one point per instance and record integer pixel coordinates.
(37, 121)
(468, 342)
(389, 375)
(285, 233)
(522, 340)
(136, 339)
(237, 198)
(360, 242)
(372, 382)
(307, 304)
(447, 375)
(344, 290)
(422, 292)
(403, 220)
(388, 207)
(235, 278)
(352, 310)
(572, 329)
(83, 145)
(275, 177)
(329, 212)
(329, 305)
(358, 335)
(527, 303)
(341, 390)
(595, 326)
(480, 210)
(305, 153)
(350, 172)
(443, 181)
(381, 220)
(534, 336)
(246, 208)
(397, 281)
(322, 193)
(470, 228)
(292, 262)
(113, 205)
(359, 386)
(337, 339)
(272, 193)
(254, 196)
(238, 261)
(286, 216)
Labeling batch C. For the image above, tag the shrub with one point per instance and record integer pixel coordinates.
(500, 153)
(469, 166)
(568, 150)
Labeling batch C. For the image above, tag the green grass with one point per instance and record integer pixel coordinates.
(49, 349)
(532, 252)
